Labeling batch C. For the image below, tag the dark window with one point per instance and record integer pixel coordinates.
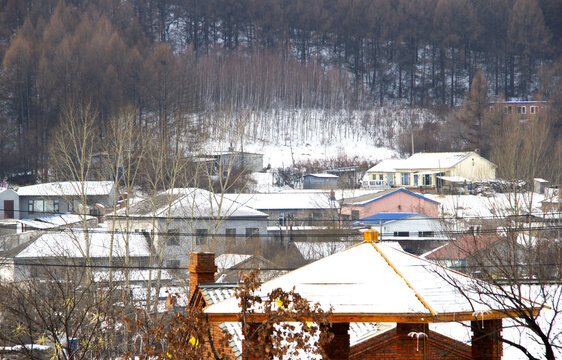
(173, 264)
(401, 233)
(56, 205)
(252, 232)
(354, 214)
(200, 236)
(405, 178)
(427, 179)
(231, 233)
(30, 206)
(426, 234)
(173, 238)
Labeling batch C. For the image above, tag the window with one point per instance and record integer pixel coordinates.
(30, 206)
(71, 206)
(252, 232)
(401, 233)
(354, 214)
(405, 178)
(427, 179)
(173, 264)
(381, 177)
(173, 238)
(38, 206)
(426, 234)
(523, 110)
(231, 233)
(505, 109)
(281, 219)
(415, 180)
(491, 109)
(533, 109)
(200, 235)
(56, 205)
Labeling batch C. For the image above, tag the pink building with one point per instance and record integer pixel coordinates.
(392, 200)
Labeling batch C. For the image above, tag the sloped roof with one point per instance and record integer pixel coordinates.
(190, 203)
(388, 165)
(286, 201)
(67, 188)
(421, 161)
(437, 160)
(71, 243)
(463, 247)
(329, 176)
(376, 283)
(365, 199)
(385, 217)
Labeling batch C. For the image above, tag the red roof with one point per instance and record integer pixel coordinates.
(463, 247)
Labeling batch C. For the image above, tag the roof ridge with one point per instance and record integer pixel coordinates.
(420, 298)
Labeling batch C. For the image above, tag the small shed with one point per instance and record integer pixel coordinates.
(9, 201)
(320, 181)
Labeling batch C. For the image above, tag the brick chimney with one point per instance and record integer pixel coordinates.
(201, 270)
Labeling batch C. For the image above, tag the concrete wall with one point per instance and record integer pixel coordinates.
(187, 230)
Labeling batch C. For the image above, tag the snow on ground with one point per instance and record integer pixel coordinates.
(467, 206)
(279, 156)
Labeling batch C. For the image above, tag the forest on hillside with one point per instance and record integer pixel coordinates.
(182, 60)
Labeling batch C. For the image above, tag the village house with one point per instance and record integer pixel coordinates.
(298, 208)
(390, 200)
(416, 233)
(432, 170)
(68, 247)
(524, 110)
(64, 197)
(190, 219)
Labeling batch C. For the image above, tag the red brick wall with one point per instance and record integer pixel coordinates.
(397, 344)
(338, 348)
(201, 270)
(485, 340)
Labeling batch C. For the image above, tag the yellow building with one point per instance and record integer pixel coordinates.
(431, 170)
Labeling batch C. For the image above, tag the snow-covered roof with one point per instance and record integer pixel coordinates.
(286, 201)
(405, 286)
(314, 250)
(388, 165)
(71, 243)
(191, 203)
(226, 261)
(215, 293)
(365, 199)
(134, 275)
(67, 188)
(437, 160)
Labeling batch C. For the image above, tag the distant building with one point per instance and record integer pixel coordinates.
(63, 197)
(432, 170)
(320, 181)
(391, 200)
(237, 160)
(525, 110)
(416, 233)
(184, 219)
